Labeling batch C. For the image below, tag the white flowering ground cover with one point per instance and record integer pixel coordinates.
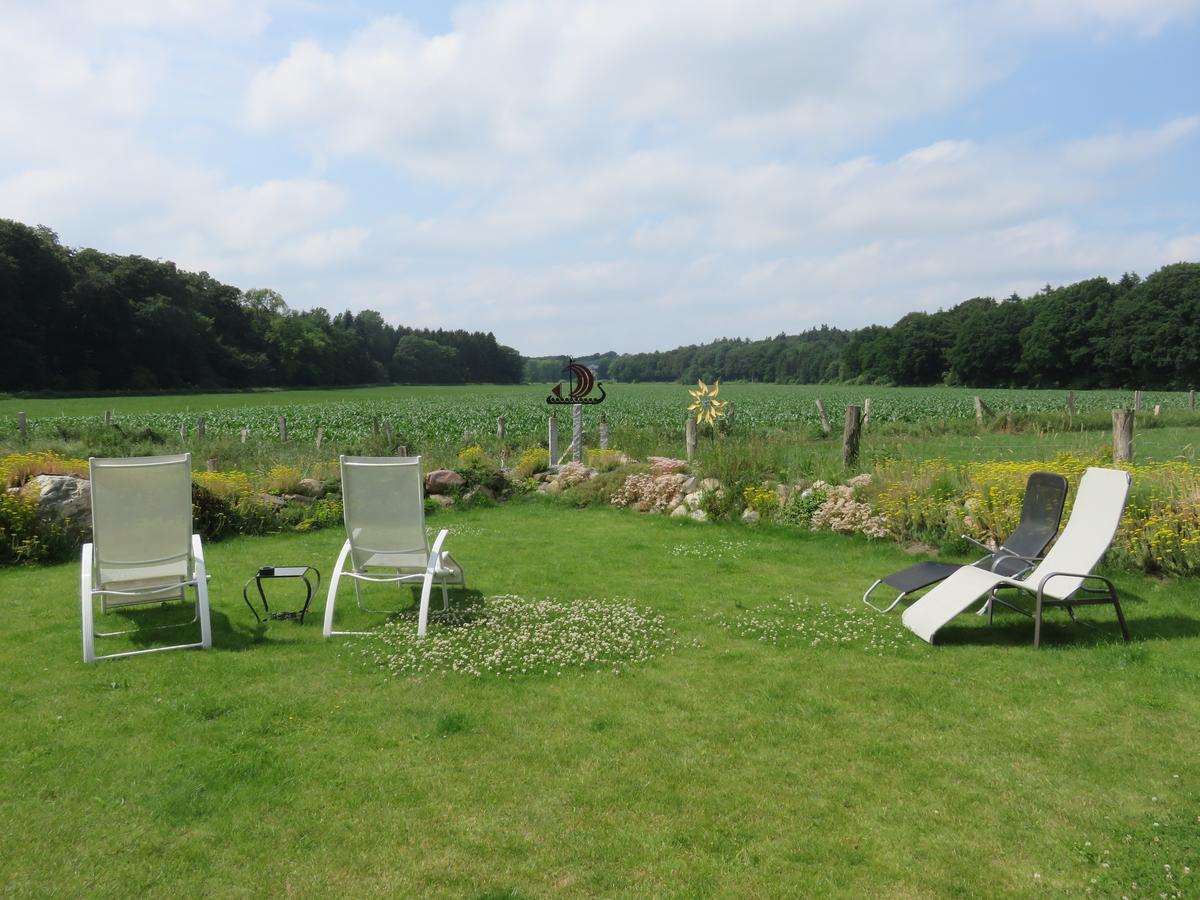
(513, 637)
(790, 622)
(764, 737)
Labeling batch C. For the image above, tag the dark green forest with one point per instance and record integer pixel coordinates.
(1133, 333)
(82, 320)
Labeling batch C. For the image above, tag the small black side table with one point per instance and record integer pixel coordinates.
(300, 572)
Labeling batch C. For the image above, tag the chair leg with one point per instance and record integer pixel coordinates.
(1037, 623)
(1121, 619)
(202, 612)
(88, 625)
(423, 614)
(331, 596)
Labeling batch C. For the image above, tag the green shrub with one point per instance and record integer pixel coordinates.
(800, 507)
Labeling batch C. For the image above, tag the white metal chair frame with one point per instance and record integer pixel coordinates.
(439, 566)
(165, 589)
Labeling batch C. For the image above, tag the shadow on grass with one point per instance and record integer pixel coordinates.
(466, 605)
(1059, 631)
(175, 623)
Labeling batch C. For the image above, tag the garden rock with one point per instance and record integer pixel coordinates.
(750, 516)
(302, 499)
(310, 487)
(692, 500)
(691, 485)
(62, 497)
(710, 484)
(442, 500)
(483, 491)
(442, 481)
(680, 511)
(271, 500)
(699, 515)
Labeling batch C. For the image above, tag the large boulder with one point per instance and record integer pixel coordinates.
(443, 481)
(310, 487)
(62, 497)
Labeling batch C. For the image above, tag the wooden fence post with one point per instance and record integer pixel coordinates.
(1137, 401)
(824, 418)
(730, 413)
(552, 438)
(108, 418)
(387, 431)
(1122, 435)
(320, 435)
(375, 426)
(577, 432)
(499, 428)
(200, 423)
(603, 431)
(1157, 409)
(245, 435)
(980, 407)
(183, 430)
(866, 419)
(1071, 404)
(23, 426)
(1192, 400)
(850, 436)
(689, 437)
(210, 465)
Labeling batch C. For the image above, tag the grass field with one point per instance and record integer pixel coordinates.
(866, 763)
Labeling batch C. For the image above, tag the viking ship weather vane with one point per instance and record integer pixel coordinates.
(581, 382)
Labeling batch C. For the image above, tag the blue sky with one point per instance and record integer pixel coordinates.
(582, 176)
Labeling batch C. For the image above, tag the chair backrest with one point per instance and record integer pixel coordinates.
(142, 517)
(383, 505)
(1089, 531)
(1041, 513)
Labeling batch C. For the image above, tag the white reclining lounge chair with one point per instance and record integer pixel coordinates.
(384, 508)
(1062, 579)
(142, 549)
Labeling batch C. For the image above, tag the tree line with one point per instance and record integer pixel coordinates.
(82, 320)
(1132, 333)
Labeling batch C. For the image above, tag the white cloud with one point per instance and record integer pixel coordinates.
(1146, 17)
(524, 85)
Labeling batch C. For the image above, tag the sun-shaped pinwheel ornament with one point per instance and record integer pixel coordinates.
(705, 404)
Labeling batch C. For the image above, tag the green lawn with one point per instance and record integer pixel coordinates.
(279, 763)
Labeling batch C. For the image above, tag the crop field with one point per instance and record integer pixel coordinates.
(431, 415)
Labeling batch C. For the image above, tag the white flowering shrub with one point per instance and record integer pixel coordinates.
(664, 465)
(510, 637)
(842, 513)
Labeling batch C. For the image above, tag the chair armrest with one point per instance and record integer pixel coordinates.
(1084, 576)
(1005, 553)
(980, 544)
(435, 551)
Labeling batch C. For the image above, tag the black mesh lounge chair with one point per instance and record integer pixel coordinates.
(1041, 511)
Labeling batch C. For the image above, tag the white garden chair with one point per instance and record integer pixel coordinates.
(384, 508)
(1063, 578)
(142, 549)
